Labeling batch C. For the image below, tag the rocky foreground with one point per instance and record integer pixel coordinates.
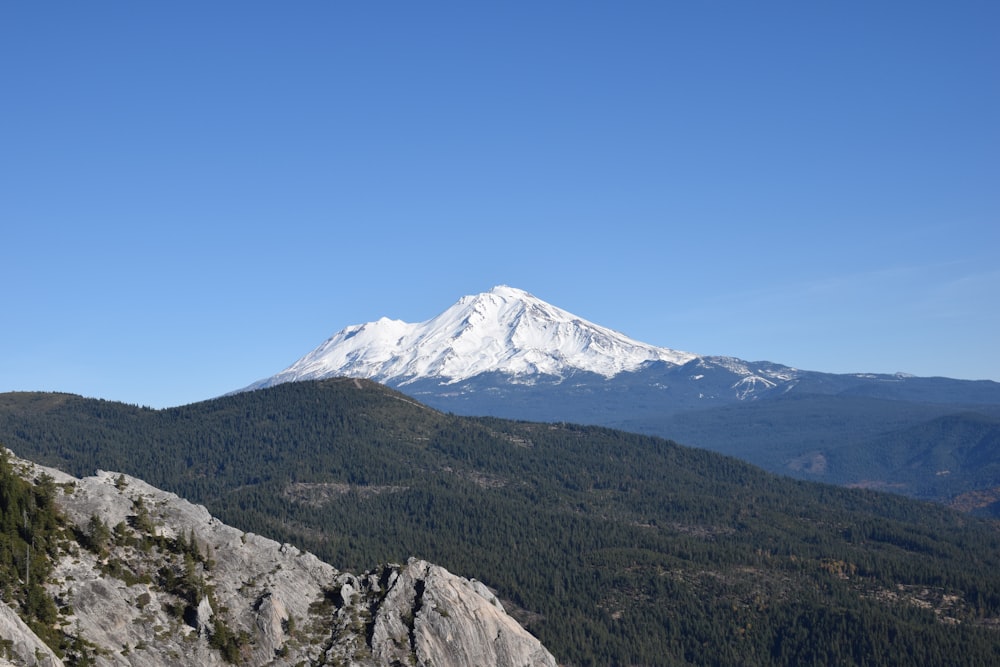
(155, 580)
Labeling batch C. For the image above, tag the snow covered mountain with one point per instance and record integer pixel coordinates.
(505, 330)
(507, 353)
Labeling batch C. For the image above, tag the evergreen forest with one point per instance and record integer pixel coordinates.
(613, 548)
(31, 533)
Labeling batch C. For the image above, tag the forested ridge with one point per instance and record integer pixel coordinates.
(31, 533)
(613, 548)
(921, 450)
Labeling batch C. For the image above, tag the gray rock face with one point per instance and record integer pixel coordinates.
(421, 614)
(25, 647)
(174, 586)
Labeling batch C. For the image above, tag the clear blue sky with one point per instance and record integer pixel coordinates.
(195, 194)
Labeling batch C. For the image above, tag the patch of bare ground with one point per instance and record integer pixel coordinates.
(949, 608)
(974, 500)
(516, 440)
(875, 485)
(319, 494)
(701, 530)
(479, 478)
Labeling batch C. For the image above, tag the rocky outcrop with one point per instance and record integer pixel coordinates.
(421, 614)
(21, 645)
(155, 580)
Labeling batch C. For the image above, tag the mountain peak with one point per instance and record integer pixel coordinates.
(504, 292)
(506, 330)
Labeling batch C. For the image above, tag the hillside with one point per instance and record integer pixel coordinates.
(611, 547)
(927, 451)
(122, 573)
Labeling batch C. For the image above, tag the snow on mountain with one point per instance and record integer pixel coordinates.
(753, 378)
(505, 330)
(503, 345)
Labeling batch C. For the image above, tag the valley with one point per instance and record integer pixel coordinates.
(611, 547)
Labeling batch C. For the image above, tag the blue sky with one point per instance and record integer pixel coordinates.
(193, 195)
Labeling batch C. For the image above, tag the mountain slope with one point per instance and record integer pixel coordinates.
(504, 330)
(613, 548)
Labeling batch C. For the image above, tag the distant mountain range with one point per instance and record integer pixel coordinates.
(507, 353)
